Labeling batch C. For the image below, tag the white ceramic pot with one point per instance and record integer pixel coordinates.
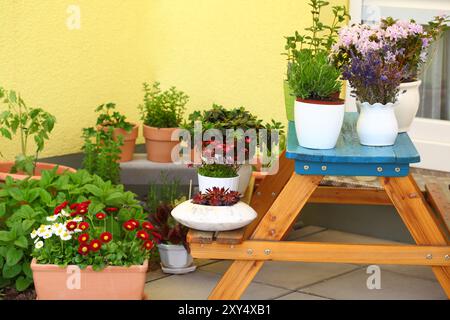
(205, 183)
(245, 173)
(407, 104)
(174, 256)
(210, 218)
(318, 123)
(377, 125)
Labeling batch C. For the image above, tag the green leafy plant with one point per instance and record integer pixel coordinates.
(319, 36)
(165, 192)
(163, 109)
(109, 117)
(101, 146)
(217, 170)
(313, 76)
(29, 123)
(24, 206)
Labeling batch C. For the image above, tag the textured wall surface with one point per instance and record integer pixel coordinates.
(227, 52)
(70, 72)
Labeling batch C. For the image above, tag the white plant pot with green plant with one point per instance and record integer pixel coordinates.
(218, 175)
(217, 209)
(319, 113)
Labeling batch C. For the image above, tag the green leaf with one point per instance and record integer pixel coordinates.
(45, 196)
(23, 283)
(11, 271)
(16, 194)
(2, 209)
(26, 268)
(21, 242)
(13, 256)
(96, 191)
(5, 236)
(114, 198)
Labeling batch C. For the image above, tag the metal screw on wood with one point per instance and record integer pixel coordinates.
(429, 256)
(267, 252)
(273, 194)
(397, 169)
(272, 232)
(273, 218)
(324, 168)
(258, 193)
(380, 169)
(306, 167)
(249, 252)
(447, 257)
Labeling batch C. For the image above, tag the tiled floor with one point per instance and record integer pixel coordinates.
(304, 281)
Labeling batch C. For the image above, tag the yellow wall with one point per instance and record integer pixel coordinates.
(223, 51)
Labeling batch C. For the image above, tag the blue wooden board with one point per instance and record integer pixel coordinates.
(350, 157)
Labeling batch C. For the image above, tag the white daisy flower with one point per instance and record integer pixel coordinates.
(65, 236)
(36, 240)
(47, 234)
(65, 213)
(77, 219)
(53, 218)
(39, 244)
(34, 234)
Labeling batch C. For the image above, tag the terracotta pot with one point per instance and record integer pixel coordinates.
(129, 142)
(5, 168)
(159, 143)
(112, 283)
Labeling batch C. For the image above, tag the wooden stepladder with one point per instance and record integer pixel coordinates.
(281, 197)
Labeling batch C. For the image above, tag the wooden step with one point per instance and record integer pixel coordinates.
(438, 195)
(222, 237)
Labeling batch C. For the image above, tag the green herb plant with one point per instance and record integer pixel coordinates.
(109, 117)
(162, 109)
(218, 170)
(29, 123)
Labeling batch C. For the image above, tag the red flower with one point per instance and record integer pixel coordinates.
(106, 237)
(95, 245)
(111, 209)
(148, 245)
(134, 222)
(83, 238)
(71, 225)
(141, 234)
(83, 249)
(147, 225)
(74, 205)
(100, 215)
(60, 207)
(128, 226)
(83, 226)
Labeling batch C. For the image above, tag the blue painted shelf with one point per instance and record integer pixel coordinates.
(350, 158)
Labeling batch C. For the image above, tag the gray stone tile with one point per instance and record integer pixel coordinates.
(198, 285)
(343, 237)
(303, 232)
(289, 275)
(300, 296)
(393, 286)
(412, 271)
(155, 274)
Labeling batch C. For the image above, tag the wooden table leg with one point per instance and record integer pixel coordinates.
(418, 218)
(273, 226)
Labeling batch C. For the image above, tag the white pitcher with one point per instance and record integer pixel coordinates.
(377, 124)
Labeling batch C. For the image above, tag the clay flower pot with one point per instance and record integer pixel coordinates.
(159, 143)
(5, 168)
(112, 283)
(129, 142)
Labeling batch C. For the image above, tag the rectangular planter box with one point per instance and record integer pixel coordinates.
(113, 283)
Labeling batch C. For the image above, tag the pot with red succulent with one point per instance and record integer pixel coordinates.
(218, 209)
(87, 250)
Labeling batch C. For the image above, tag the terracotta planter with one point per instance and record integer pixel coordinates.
(5, 167)
(112, 283)
(159, 143)
(129, 142)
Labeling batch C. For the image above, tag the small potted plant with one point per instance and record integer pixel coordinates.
(321, 36)
(410, 45)
(28, 123)
(319, 113)
(217, 209)
(89, 251)
(375, 74)
(109, 117)
(162, 113)
(172, 246)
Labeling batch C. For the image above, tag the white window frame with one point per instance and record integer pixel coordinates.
(431, 137)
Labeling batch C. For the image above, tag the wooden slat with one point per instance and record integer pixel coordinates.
(326, 252)
(196, 236)
(438, 195)
(418, 218)
(342, 195)
(230, 237)
(273, 226)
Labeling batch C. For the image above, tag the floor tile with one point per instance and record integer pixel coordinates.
(393, 286)
(412, 271)
(289, 275)
(300, 296)
(304, 231)
(198, 285)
